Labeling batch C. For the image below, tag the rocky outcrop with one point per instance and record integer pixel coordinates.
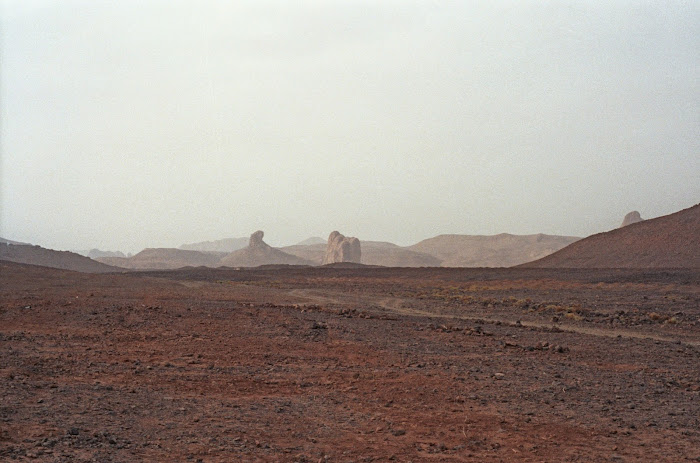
(256, 240)
(260, 253)
(342, 249)
(632, 217)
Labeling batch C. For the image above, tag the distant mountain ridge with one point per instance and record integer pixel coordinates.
(373, 253)
(503, 250)
(310, 252)
(393, 255)
(36, 255)
(164, 258)
(225, 245)
(671, 241)
(310, 241)
(97, 253)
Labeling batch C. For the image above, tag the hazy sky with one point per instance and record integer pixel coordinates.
(131, 124)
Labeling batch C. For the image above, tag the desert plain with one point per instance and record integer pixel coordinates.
(348, 363)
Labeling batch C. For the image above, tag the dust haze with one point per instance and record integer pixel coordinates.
(125, 125)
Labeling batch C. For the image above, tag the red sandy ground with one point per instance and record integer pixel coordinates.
(349, 365)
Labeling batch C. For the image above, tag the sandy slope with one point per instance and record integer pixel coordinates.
(669, 241)
(36, 255)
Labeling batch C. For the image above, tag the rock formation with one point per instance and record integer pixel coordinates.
(342, 249)
(632, 217)
(256, 240)
(260, 253)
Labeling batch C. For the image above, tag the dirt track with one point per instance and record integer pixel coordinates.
(349, 365)
(402, 307)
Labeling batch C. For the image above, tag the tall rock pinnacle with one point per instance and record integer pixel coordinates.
(342, 249)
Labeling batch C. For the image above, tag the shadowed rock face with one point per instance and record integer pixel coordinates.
(256, 240)
(342, 249)
(632, 217)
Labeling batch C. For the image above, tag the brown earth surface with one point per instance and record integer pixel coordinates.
(349, 365)
(669, 241)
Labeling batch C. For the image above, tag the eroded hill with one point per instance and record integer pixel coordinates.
(671, 241)
(504, 250)
(36, 255)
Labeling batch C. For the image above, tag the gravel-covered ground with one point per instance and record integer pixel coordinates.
(373, 364)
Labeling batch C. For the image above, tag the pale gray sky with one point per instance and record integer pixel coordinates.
(131, 124)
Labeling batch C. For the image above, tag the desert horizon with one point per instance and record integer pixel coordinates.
(235, 242)
(667, 241)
